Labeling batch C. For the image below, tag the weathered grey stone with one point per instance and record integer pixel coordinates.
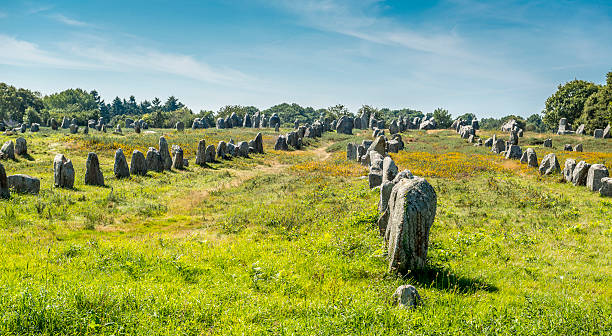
(8, 150)
(21, 146)
(180, 126)
(93, 173)
(274, 121)
(532, 158)
(579, 173)
(259, 144)
(220, 123)
(209, 154)
(606, 132)
(598, 133)
(524, 157)
(138, 164)
(236, 122)
(222, 150)
(243, 149)
(74, 129)
(514, 138)
(246, 122)
(185, 162)
(4, 189)
(578, 148)
(514, 152)
(177, 157)
(351, 151)
(345, 125)
(154, 160)
(201, 153)
(165, 153)
(580, 130)
(606, 187)
(567, 147)
(281, 143)
(406, 296)
(53, 124)
(389, 170)
(379, 145)
(120, 167)
(118, 128)
(65, 122)
(488, 142)
(292, 139)
(548, 143)
(412, 209)
(63, 172)
(568, 170)
(393, 146)
(549, 165)
(24, 184)
(35, 127)
(596, 173)
(499, 146)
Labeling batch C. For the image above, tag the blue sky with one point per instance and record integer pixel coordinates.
(491, 58)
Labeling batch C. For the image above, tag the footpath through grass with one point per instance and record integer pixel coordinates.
(285, 243)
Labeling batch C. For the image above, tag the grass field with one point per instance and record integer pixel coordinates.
(285, 243)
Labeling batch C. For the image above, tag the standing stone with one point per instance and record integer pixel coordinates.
(118, 129)
(514, 138)
(567, 147)
(8, 150)
(274, 121)
(406, 296)
(65, 122)
(243, 149)
(74, 129)
(568, 169)
(154, 160)
(21, 146)
(292, 138)
(246, 122)
(596, 173)
(259, 144)
(86, 130)
(606, 132)
(549, 165)
(35, 127)
(165, 153)
(4, 189)
(580, 172)
(394, 127)
(351, 152)
(281, 143)
(180, 126)
(514, 152)
(598, 133)
(548, 143)
(375, 176)
(389, 170)
(53, 124)
(357, 123)
(412, 209)
(580, 130)
(200, 155)
(138, 164)
(524, 157)
(121, 168)
(236, 122)
(606, 187)
(379, 145)
(499, 146)
(578, 148)
(532, 158)
(488, 142)
(220, 123)
(93, 174)
(222, 149)
(177, 157)
(209, 154)
(24, 184)
(63, 172)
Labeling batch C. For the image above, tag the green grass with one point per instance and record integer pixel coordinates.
(248, 246)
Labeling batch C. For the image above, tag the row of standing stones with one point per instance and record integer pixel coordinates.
(407, 209)
(156, 160)
(594, 176)
(566, 128)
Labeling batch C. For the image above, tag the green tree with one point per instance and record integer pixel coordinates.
(31, 116)
(14, 102)
(442, 117)
(338, 111)
(568, 102)
(468, 117)
(598, 108)
(74, 103)
(535, 124)
(172, 104)
(288, 113)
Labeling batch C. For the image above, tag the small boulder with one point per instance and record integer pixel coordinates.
(579, 173)
(549, 165)
(8, 150)
(93, 173)
(567, 147)
(209, 154)
(180, 126)
(406, 296)
(514, 152)
(21, 146)
(24, 184)
(532, 158)
(606, 187)
(568, 169)
(120, 167)
(596, 173)
(63, 172)
(578, 148)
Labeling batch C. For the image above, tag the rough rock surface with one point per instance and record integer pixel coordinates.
(549, 165)
(568, 169)
(120, 167)
(596, 173)
(177, 157)
(8, 150)
(154, 160)
(63, 172)
(24, 184)
(606, 187)
(580, 172)
(4, 190)
(200, 154)
(165, 153)
(93, 173)
(138, 164)
(412, 209)
(406, 296)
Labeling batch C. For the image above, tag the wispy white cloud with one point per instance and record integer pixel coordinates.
(84, 56)
(68, 21)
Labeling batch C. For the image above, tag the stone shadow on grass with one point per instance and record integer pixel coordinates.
(444, 279)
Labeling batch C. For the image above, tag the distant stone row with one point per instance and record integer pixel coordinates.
(566, 128)
(295, 138)
(157, 160)
(258, 120)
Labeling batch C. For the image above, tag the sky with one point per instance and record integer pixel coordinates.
(491, 58)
